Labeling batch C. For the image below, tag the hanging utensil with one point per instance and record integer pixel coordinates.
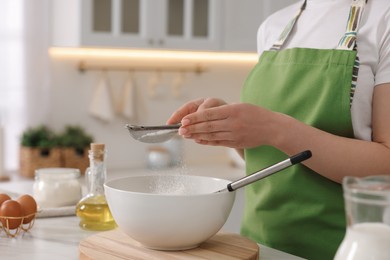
(153, 134)
(101, 105)
(153, 84)
(177, 85)
(267, 171)
(127, 102)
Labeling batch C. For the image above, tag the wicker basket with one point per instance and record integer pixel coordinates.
(35, 158)
(72, 158)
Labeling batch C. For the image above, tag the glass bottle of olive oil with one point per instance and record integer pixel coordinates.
(93, 209)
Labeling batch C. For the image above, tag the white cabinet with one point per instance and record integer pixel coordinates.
(173, 24)
(189, 24)
(243, 18)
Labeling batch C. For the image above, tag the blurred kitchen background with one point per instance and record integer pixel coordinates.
(101, 64)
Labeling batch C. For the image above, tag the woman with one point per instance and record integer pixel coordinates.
(304, 95)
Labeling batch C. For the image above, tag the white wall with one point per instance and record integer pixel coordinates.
(72, 90)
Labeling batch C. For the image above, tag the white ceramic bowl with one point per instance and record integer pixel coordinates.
(169, 212)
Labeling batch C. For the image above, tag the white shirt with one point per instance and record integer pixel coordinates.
(321, 26)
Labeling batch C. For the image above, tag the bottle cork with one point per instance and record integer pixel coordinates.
(97, 150)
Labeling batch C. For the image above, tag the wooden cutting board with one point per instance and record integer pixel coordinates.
(115, 244)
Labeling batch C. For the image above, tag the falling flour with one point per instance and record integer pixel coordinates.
(172, 185)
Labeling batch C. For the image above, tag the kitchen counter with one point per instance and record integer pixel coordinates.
(58, 237)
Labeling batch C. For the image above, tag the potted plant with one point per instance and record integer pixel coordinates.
(75, 144)
(39, 149)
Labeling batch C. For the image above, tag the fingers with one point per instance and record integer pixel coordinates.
(201, 104)
(211, 102)
(184, 110)
(206, 115)
(225, 143)
(204, 127)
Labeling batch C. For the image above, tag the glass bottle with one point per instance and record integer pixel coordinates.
(93, 209)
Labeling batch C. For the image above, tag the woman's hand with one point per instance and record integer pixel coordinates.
(193, 106)
(213, 122)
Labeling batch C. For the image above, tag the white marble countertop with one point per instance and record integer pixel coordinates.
(59, 237)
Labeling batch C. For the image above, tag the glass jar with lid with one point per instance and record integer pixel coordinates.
(57, 187)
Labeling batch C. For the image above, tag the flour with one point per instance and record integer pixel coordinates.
(152, 137)
(57, 187)
(172, 185)
(160, 132)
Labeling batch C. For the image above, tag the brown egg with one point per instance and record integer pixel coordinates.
(11, 208)
(29, 206)
(4, 197)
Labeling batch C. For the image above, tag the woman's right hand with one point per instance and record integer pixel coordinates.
(194, 106)
(212, 121)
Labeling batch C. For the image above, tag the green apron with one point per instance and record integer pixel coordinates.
(297, 210)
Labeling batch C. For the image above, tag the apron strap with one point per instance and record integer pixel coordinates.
(287, 30)
(348, 41)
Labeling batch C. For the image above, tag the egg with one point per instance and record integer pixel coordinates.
(11, 208)
(4, 197)
(29, 206)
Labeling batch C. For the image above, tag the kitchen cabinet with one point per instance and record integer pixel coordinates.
(243, 18)
(163, 24)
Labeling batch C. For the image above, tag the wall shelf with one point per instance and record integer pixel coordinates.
(84, 66)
